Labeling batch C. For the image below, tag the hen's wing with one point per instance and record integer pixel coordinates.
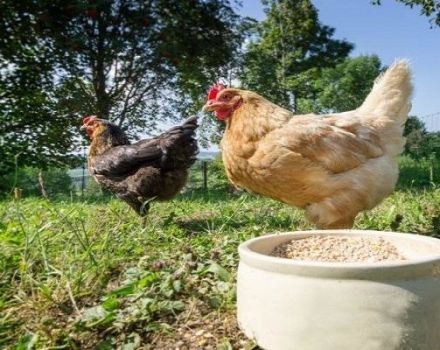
(336, 142)
(122, 159)
(169, 149)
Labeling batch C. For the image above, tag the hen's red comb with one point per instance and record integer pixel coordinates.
(214, 90)
(87, 119)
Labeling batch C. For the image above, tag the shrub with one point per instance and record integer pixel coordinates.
(418, 173)
(56, 182)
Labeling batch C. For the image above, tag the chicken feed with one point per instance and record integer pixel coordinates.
(338, 249)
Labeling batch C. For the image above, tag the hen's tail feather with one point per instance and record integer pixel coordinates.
(188, 126)
(391, 93)
(180, 145)
(189, 129)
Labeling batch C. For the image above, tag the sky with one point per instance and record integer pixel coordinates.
(390, 31)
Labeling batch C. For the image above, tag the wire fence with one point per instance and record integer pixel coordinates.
(202, 175)
(205, 175)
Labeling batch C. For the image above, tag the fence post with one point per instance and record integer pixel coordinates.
(17, 193)
(83, 180)
(205, 174)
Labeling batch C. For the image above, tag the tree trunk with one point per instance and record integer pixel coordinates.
(283, 59)
(102, 97)
(42, 187)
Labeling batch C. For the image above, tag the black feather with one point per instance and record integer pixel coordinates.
(148, 169)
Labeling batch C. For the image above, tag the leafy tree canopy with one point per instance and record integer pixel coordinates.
(419, 142)
(343, 87)
(289, 48)
(134, 62)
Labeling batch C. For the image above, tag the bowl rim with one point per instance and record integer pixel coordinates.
(378, 270)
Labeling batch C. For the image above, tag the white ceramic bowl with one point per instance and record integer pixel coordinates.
(300, 305)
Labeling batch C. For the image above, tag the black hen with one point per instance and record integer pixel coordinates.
(154, 169)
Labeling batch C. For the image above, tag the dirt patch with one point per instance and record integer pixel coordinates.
(196, 330)
(196, 222)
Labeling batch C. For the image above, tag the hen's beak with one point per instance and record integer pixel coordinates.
(210, 105)
(91, 124)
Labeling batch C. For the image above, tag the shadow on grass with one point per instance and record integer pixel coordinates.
(212, 195)
(435, 232)
(253, 219)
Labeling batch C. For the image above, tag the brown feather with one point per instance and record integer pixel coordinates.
(332, 165)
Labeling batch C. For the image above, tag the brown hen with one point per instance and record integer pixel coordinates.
(334, 166)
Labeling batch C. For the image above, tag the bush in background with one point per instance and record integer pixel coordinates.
(57, 182)
(418, 173)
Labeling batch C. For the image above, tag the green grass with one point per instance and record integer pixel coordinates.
(93, 275)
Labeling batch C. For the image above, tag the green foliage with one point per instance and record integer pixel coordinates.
(32, 132)
(134, 62)
(216, 172)
(125, 57)
(93, 191)
(216, 176)
(289, 49)
(430, 146)
(343, 87)
(57, 182)
(419, 142)
(418, 173)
